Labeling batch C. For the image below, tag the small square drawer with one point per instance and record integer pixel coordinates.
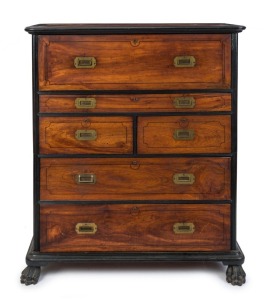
(184, 134)
(129, 227)
(85, 135)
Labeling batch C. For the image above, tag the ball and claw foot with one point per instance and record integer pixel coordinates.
(30, 275)
(235, 275)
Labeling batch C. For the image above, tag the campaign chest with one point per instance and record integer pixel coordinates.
(135, 144)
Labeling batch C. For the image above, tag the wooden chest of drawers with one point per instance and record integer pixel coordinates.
(135, 144)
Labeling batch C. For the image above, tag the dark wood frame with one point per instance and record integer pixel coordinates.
(35, 259)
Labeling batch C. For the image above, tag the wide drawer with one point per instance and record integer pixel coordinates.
(135, 103)
(125, 62)
(184, 134)
(85, 135)
(140, 179)
(67, 228)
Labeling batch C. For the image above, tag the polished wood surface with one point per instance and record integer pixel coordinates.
(212, 134)
(135, 179)
(57, 135)
(135, 103)
(127, 62)
(133, 227)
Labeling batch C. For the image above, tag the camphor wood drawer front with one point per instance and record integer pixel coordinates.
(184, 134)
(135, 103)
(85, 135)
(135, 227)
(135, 179)
(124, 62)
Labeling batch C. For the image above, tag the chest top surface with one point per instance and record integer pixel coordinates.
(134, 28)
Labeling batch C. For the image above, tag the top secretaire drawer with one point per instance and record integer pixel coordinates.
(134, 62)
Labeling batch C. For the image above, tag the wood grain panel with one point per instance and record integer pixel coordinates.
(135, 228)
(127, 62)
(212, 134)
(57, 135)
(135, 103)
(139, 179)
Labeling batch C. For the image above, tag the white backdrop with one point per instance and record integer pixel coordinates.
(189, 281)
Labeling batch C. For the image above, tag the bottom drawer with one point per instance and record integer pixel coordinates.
(128, 227)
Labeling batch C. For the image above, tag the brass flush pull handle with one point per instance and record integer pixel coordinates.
(183, 178)
(85, 62)
(85, 102)
(86, 135)
(184, 102)
(183, 134)
(88, 178)
(184, 61)
(179, 228)
(86, 228)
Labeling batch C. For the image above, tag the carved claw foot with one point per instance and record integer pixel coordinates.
(235, 275)
(30, 275)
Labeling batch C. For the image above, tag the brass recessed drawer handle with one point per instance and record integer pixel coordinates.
(86, 228)
(184, 61)
(180, 228)
(184, 102)
(183, 178)
(87, 178)
(85, 102)
(85, 62)
(86, 135)
(183, 134)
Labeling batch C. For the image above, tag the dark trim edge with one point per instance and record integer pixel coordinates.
(36, 159)
(34, 258)
(163, 28)
(136, 202)
(234, 65)
(135, 92)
